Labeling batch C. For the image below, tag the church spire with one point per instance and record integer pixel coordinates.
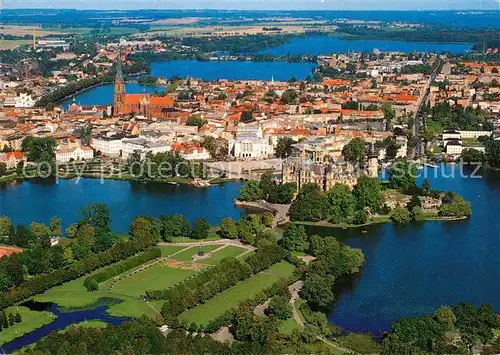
(119, 70)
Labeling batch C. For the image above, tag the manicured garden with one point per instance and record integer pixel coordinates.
(187, 254)
(229, 299)
(226, 252)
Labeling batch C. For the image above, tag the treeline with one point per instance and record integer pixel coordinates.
(469, 119)
(339, 204)
(204, 286)
(235, 45)
(91, 283)
(490, 157)
(60, 93)
(472, 325)
(268, 189)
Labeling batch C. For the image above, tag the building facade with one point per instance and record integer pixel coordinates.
(250, 142)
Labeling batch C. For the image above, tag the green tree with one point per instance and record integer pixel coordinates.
(417, 214)
(55, 226)
(444, 315)
(97, 215)
(39, 230)
(354, 151)
(284, 147)
(200, 229)
(310, 205)
(289, 96)
(247, 117)
(142, 229)
(85, 235)
(317, 290)
(294, 238)
(280, 307)
(228, 228)
(40, 149)
(456, 207)
(342, 203)
(195, 121)
(6, 228)
(251, 191)
(368, 193)
(400, 215)
(3, 169)
(403, 175)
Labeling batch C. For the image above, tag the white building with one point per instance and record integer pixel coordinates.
(474, 134)
(74, 153)
(25, 101)
(144, 146)
(109, 146)
(250, 142)
(402, 142)
(451, 135)
(194, 153)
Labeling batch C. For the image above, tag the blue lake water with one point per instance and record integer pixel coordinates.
(413, 270)
(40, 200)
(332, 44)
(408, 271)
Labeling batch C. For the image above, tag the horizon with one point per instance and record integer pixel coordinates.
(257, 5)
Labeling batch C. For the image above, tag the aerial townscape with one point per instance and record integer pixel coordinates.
(250, 181)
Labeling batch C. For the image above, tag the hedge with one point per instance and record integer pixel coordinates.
(120, 267)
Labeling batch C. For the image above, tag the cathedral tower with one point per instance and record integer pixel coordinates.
(119, 99)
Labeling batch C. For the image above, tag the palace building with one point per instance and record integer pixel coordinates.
(146, 105)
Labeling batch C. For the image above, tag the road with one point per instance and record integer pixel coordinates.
(419, 116)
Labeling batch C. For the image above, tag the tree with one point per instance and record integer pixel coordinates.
(310, 205)
(289, 96)
(455, 206)
(342, 203)
(228, 228)
(354, 151)
(280, 307)
(85, 235)
(360, 217)
(368, 193)
(18, 318)
(400, 215)
(97, 215)
(403, 175)
(39, 230)
(251, 191)
(247, 117)
(444, 315)
(6, 228)
(284, 147)
(3, 169)
(473, 156)
(195, 121)
(493, 153)
(143, 230)
(200, 229)
(317, 290)
(294, 238)
(417, 214)
(40, 149)
(55, 226)
(174, 227)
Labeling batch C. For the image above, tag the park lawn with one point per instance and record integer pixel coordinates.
(281, 269)
(31, 320)
(131, 307)
(157, 277)
(288, 326)
(167, 250)
(230, 251)
(230, 298)
(188, 253)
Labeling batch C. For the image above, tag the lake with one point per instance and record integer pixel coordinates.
(413, 270)
(409, 271)
(39, 200)
(333, 44)
(213, 70)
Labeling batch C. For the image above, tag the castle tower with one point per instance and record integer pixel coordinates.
(119, 98)
(372, 162)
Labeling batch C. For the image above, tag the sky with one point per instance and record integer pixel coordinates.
(259, 4)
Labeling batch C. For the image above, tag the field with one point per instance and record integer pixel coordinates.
(188, 253)
(31, 320)
(230, 298)
(12, 44)
(229, 251)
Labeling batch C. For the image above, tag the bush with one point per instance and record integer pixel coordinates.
(91, 284)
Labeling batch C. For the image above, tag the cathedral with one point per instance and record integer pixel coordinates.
(146, 105)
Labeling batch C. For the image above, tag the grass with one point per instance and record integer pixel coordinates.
(227, 252)
(167, 250)
(230, 298)
(31, 320)
(281, 269)
(157, 277)
(6, 44)
(189, 252)
(361, 343)
(211, 237)
(288, 326)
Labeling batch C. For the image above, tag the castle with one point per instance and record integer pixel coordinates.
(145, 105)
